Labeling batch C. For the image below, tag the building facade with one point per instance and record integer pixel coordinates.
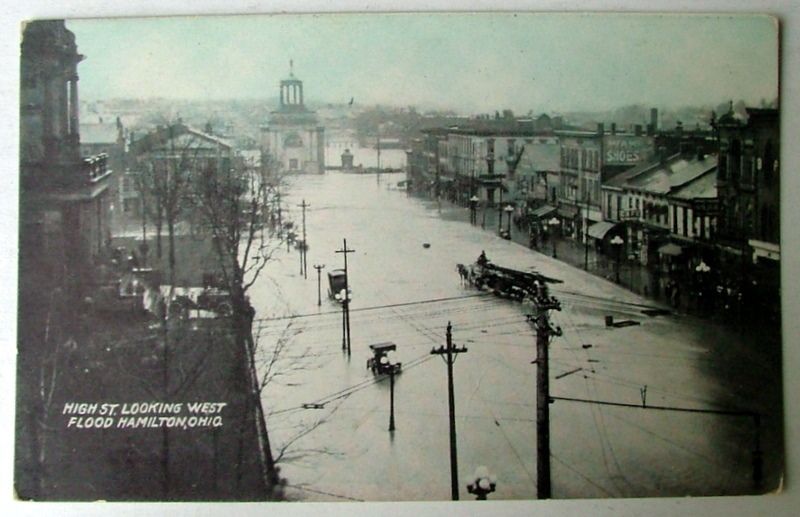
(748, 186)
(589, 160)
(64, 197)
(168, 148)
(483, 157)
(293, 136)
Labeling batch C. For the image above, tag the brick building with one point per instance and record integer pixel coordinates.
(748, 186)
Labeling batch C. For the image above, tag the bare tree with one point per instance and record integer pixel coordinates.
(166, 164)
(233, 205)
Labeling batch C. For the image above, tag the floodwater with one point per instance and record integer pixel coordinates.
(364, 156)
(329, 415)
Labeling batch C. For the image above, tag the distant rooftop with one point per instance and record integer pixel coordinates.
(702, 187)
(676, 172)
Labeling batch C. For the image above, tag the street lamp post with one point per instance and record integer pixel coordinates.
(703, 269)
(319, 268)
(473, 207)
(499, 211)
(483, 484)
(617, 242)
(509, 210)
(554, 223)
(391, 367)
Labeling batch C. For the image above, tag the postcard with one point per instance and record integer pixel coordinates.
(399, 257)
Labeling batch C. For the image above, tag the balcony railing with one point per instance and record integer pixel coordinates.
(96, 167)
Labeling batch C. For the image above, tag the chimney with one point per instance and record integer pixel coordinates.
(600, 128)
(654, 118)
(613, 128)
(637, 130)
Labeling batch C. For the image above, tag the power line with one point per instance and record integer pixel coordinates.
(375, 307)
(711, 411)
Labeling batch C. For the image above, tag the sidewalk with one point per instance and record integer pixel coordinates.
(632, 275)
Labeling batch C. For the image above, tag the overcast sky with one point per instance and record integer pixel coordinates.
(479, 62)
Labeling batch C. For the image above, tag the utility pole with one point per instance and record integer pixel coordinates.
(543, 304)
(319, 268)
(449, 354)
(346, 300)
(304, 247)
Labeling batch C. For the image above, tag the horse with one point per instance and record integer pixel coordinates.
(463, 273)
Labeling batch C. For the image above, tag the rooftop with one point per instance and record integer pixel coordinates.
(702, 187)
(183, 136)
(675, 173)
(622, 178)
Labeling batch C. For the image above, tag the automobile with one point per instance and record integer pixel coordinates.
(379, 362)
(337, 280)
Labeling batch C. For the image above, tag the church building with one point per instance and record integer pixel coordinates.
(293, 135)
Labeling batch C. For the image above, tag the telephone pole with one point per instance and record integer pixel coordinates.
(346, 299)
(449, 353)
(543, 304)
(304, 247)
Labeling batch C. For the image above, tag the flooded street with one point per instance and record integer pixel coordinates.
(329, 415)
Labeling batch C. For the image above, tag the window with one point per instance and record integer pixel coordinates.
(293, 164)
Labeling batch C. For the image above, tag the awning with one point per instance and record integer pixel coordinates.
(567, 212)
(670, 249)
(543, 211)
(599, 230)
